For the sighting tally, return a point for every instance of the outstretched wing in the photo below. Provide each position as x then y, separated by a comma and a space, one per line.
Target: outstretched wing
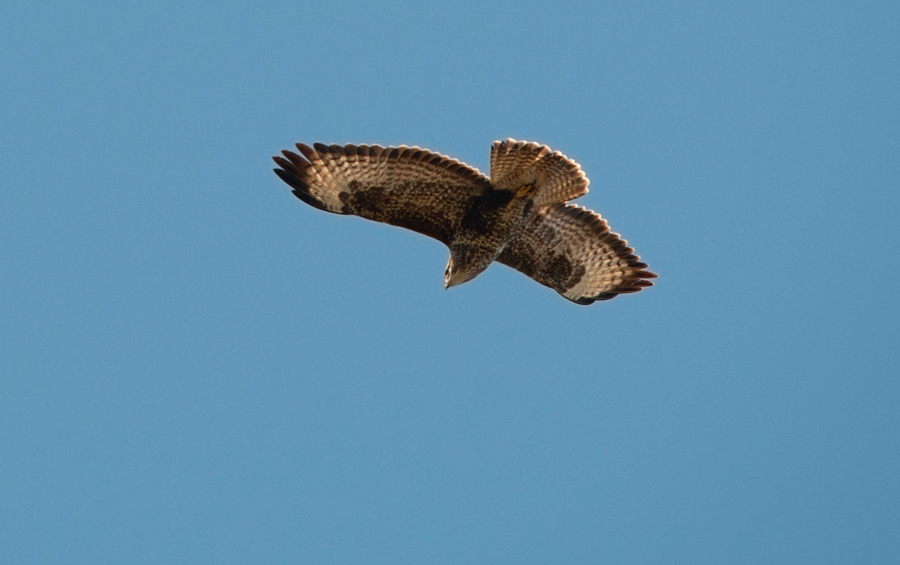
571, 250
556, 178
405, 186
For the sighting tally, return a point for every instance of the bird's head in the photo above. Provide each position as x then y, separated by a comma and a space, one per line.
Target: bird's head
464, 265
454, 275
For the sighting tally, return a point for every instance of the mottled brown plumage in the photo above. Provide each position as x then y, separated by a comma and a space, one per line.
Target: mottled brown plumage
518, 217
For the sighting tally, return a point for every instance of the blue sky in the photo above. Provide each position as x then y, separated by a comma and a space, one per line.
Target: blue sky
197, 367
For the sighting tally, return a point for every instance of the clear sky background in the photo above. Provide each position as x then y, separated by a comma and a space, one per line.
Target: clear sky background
196, 367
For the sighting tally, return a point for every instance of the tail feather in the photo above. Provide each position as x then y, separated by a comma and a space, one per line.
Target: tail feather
556, 177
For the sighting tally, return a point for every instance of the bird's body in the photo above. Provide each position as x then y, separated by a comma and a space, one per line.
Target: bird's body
518, 217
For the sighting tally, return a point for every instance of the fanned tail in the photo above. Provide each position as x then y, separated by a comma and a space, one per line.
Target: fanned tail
555, 177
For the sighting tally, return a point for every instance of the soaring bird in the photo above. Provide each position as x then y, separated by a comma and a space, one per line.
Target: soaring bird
520, 216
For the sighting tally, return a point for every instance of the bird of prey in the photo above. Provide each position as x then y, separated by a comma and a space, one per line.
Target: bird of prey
520, 216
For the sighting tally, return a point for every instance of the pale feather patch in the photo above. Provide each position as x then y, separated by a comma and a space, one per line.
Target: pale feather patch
331, 170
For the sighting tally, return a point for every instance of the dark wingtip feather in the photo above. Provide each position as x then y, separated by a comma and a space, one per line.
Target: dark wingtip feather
309, 199
293, 173
307, 151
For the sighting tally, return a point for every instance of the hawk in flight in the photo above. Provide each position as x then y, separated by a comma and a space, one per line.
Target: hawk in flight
520, 216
